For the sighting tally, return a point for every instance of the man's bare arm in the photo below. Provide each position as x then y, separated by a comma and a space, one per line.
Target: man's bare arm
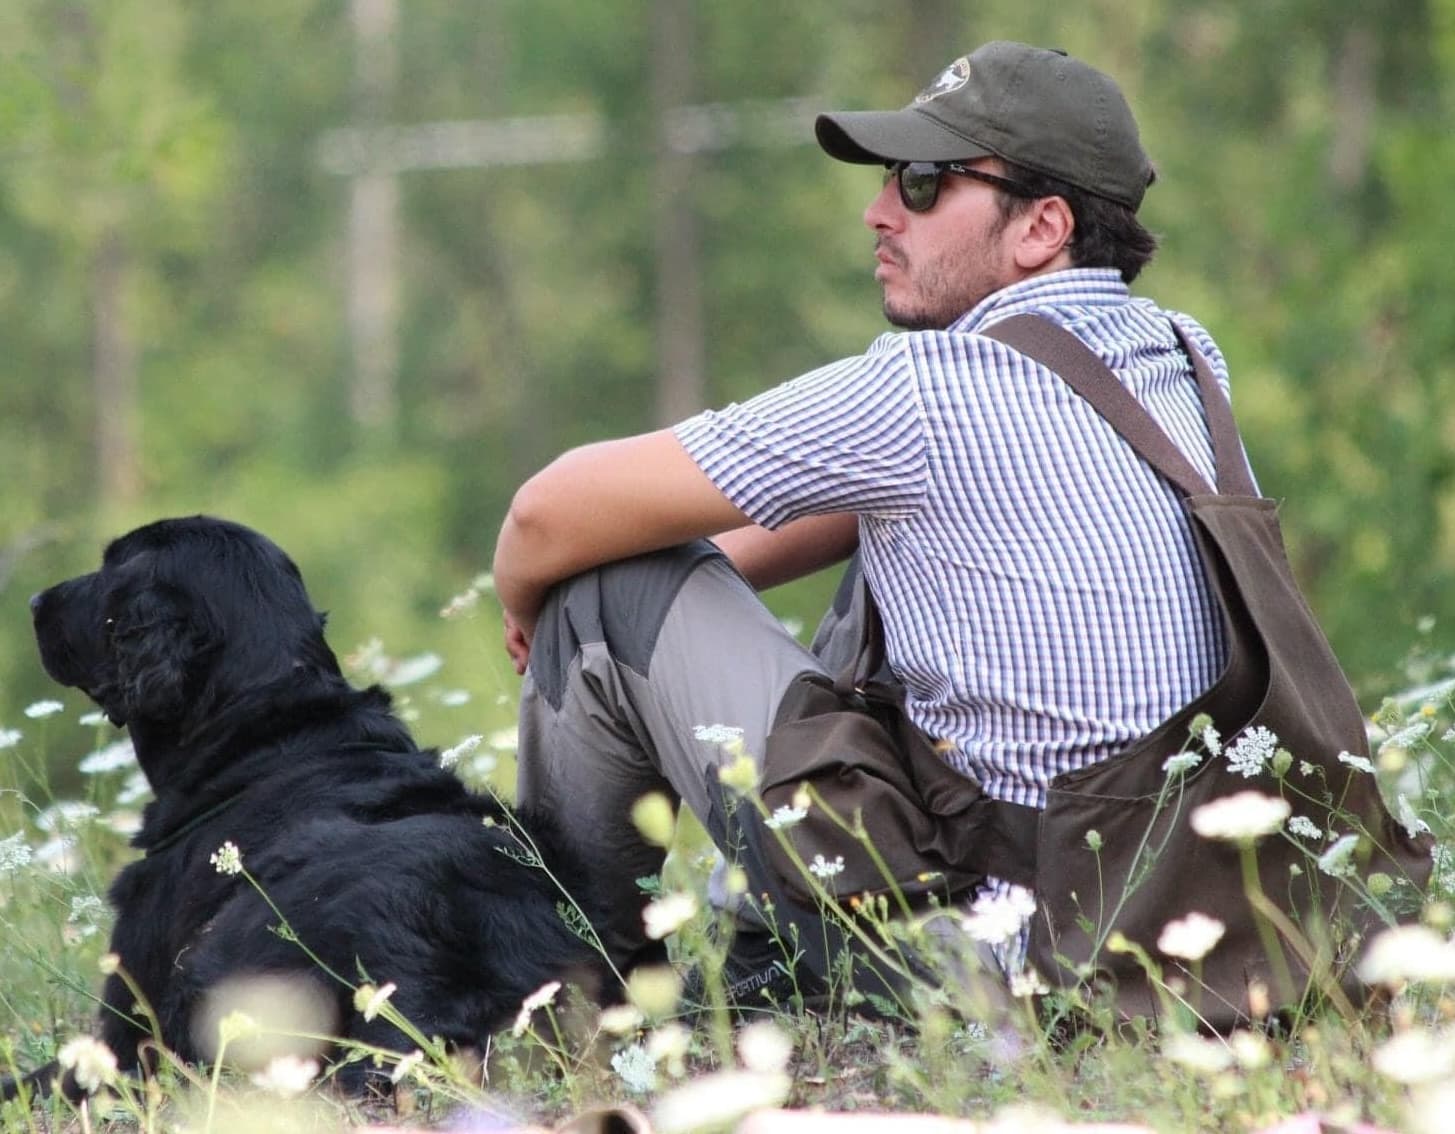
768, 558
596, 504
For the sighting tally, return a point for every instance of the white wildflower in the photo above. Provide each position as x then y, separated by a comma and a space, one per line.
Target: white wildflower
1305, 828
621, 1019
463, 603
785, 817
1197, 1054
504, 739
1306, 768
537, 999
668, 1045
1408, 817
15, 853
1415, 1056
1250, 1049
1192, 937
59, 855
717, 733
286, 1075
1337, 860
1181, 762
86, 909
91, 1062
370, 1001
67, 813
112, 758
1358, 763
405, 1067
1251, 751
1430, 1107
237, 1025
1408, 953
9, 737
764, 1046
411, 671
453, 698
123, 822
1241, 817
1212, 741
451, 756
995, 918
135, 789
1406, 737
227, 859
822, 869
1442, 859
94, 719
719, 1100
668, 914
483, 766
1026, 983
41, 709
636, 1068
370, 660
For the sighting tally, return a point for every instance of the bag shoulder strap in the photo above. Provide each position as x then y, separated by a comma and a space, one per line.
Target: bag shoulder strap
1059, 350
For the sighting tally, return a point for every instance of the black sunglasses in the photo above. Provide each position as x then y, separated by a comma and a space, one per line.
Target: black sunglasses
919, 181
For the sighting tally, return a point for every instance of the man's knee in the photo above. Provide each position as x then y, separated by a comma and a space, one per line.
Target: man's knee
621, 605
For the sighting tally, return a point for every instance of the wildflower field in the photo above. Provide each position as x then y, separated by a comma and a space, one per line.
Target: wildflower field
71, 794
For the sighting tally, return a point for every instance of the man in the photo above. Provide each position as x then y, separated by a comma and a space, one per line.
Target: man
1042, 601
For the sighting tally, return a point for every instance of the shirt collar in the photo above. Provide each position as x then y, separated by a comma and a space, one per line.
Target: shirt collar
1072, 287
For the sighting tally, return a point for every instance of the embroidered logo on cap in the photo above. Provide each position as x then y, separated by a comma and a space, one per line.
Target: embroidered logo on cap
951, 79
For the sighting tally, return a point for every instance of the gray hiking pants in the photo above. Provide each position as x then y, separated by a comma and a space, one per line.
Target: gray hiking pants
631, 666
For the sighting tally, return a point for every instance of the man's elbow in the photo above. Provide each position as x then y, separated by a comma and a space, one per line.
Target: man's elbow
525, 536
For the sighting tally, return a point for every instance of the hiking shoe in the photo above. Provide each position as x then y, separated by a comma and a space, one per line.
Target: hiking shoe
757, 976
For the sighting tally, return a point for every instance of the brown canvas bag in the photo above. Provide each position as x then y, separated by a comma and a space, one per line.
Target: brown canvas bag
1280, 675
1149, 867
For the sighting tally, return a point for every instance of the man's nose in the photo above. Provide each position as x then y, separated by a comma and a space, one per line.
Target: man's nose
883, 211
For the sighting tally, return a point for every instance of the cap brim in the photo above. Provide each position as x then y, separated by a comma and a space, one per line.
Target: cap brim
873, 137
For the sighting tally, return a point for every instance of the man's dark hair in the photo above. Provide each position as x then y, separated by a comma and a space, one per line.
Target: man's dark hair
1108, 235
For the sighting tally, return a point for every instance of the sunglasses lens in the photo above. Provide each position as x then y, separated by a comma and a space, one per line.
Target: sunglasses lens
919, 185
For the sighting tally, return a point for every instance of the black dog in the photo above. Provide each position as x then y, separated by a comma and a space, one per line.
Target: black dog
197, 634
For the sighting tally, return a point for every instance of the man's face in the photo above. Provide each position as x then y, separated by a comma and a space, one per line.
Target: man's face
936, 265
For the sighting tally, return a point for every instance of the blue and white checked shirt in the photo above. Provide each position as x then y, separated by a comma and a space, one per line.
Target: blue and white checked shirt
1042, 599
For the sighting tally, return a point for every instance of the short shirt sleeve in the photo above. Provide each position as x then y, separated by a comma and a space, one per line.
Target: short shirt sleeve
849, 437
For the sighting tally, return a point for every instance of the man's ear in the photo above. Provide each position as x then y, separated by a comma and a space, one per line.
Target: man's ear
159, 645
1046, 230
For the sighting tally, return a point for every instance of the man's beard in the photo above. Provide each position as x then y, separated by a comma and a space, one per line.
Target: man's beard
932, 317
914, 320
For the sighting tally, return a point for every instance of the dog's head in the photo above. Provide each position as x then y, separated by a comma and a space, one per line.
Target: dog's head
184, 616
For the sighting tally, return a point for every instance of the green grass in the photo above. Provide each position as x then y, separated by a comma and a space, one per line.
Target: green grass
935, 1051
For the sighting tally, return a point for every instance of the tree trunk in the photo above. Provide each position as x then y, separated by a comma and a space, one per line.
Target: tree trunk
680, 349
114, 363
1354, 105
373, 260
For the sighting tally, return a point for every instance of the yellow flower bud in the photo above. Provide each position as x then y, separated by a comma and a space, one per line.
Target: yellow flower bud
655, 818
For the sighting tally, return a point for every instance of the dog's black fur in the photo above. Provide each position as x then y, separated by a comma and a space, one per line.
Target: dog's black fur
197, 634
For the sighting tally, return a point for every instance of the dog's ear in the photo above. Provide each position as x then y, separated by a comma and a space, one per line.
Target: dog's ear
160, 639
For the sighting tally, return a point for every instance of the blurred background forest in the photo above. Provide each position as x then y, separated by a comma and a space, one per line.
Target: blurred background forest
348, 270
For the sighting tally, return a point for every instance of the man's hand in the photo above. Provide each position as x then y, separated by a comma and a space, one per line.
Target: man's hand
517, 644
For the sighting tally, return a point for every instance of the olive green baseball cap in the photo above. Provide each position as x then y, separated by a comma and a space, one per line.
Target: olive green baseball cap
1038, 108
